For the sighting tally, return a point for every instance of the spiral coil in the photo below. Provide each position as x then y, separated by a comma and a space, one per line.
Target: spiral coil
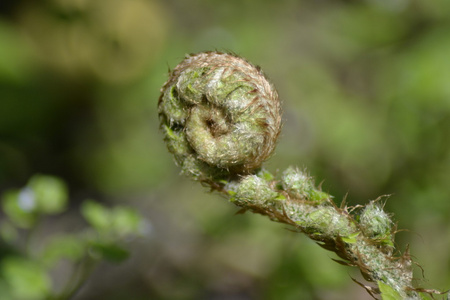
220, 115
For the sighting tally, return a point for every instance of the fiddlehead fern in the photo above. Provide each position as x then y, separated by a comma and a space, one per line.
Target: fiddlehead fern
220, 115
221, 118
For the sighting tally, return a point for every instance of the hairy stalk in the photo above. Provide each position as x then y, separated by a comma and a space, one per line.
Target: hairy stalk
221, 118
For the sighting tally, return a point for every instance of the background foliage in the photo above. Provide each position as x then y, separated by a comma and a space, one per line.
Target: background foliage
366, 95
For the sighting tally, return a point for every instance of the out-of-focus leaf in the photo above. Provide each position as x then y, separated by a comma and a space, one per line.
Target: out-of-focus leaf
117, 221
18, 210
50, 193
126, 220
26, 279
97, 215
110, 251
67, 246
8, 232
15, 58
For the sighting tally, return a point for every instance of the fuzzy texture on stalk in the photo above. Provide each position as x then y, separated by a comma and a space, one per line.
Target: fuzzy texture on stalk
221, 117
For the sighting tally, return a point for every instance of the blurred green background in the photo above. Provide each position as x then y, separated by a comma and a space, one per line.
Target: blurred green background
365, 86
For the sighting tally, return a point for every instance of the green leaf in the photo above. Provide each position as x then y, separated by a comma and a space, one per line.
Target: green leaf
110, 251
118, 221
125, 221
424, 296
388, 293
266, 175
169, 132
19, 207
231, 193
97, 215
387, 241
8, 232
351, 239
316, 195
27, 280
50, 193
15, 56
67, 246
280, 197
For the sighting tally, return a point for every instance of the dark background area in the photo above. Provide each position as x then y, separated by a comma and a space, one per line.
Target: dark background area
365, 87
